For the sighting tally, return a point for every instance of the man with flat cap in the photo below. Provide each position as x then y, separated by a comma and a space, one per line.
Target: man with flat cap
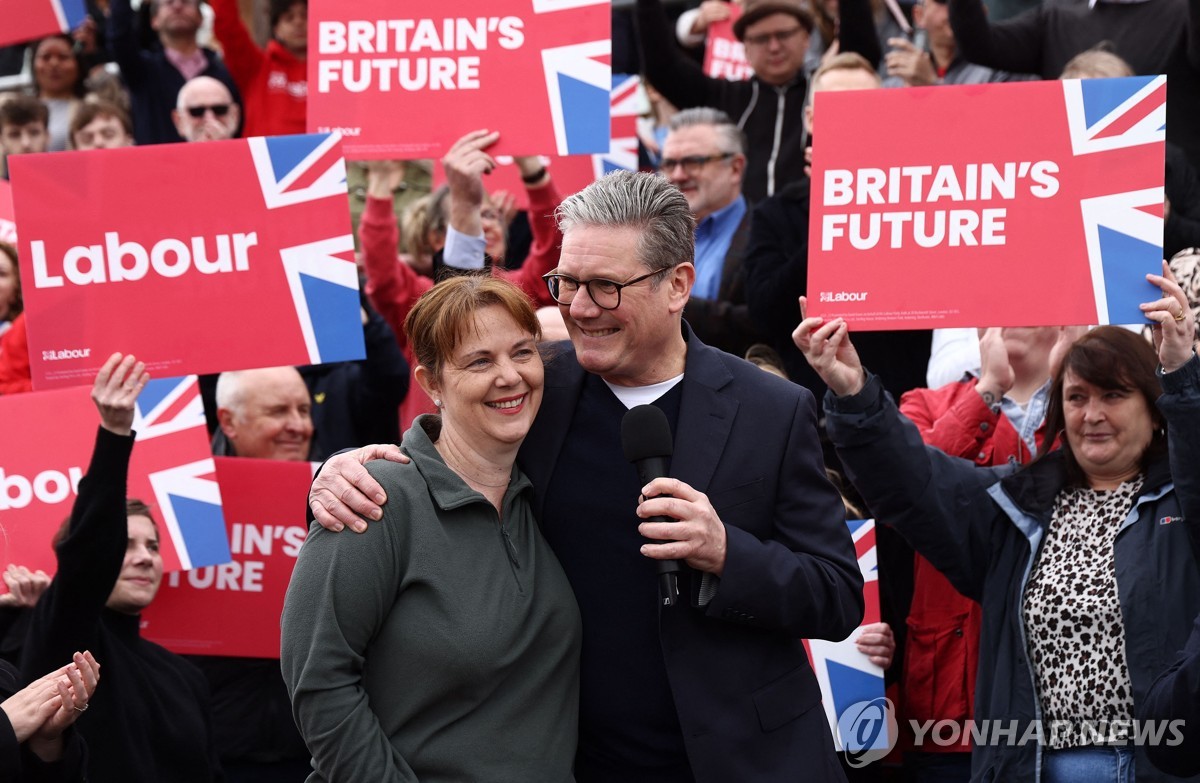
769, 107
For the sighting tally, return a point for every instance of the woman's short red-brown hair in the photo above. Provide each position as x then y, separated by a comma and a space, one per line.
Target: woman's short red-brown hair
441, 317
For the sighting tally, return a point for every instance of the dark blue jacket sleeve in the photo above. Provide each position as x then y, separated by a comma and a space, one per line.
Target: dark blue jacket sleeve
939, 503
1175, 696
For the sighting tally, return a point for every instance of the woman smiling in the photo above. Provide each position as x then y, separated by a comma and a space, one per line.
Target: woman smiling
1085, 561
443, 644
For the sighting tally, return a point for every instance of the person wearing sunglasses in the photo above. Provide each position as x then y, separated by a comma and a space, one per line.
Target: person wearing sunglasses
206, 111
154, 76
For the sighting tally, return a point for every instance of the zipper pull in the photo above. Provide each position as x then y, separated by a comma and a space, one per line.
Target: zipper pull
510, 548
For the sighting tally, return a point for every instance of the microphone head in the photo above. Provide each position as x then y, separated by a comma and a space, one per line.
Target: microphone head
645, 433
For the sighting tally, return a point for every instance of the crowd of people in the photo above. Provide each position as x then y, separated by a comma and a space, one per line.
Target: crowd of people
496, 610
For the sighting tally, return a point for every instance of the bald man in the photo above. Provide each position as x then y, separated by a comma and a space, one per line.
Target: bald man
266, 414
206, 111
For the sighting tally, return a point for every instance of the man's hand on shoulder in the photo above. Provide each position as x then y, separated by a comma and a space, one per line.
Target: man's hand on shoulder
344, 492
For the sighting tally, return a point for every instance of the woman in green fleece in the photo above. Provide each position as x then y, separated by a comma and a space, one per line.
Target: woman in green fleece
443, 644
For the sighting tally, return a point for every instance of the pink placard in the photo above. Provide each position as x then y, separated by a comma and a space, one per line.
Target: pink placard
197, 258
724, 54
233, 609
403, 80
1022, 204
47, 446
25, 20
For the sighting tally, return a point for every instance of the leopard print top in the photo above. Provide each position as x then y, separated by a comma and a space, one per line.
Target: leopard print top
1073, 617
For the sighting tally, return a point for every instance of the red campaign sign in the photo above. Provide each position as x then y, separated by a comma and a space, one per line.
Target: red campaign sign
573, 173
249, 265
538, 71
918, 223
25, 20
8, 224
724, 54
233, 609
47, 446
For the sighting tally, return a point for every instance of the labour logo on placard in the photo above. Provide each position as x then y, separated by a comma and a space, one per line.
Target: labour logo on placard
168, 420
1123, 228
845, 675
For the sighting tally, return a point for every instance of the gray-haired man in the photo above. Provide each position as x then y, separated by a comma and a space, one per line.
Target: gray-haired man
718, 687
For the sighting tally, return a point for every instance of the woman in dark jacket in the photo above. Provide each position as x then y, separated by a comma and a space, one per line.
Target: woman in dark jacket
1084, 561
151, 722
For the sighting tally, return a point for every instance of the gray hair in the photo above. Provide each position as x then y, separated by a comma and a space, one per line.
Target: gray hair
646, 202
730, 138
231, 390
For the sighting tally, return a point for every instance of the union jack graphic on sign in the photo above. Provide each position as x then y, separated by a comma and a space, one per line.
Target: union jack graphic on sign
625, 105
322, 276
1124, 230
25, 20
169, 412
1023, 176
845, 675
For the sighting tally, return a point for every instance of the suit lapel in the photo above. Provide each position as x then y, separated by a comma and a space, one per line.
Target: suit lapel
706, 414
539, 453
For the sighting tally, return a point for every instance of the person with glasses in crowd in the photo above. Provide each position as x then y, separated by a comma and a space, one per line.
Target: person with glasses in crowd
769, 108
206, 111
704, 156
717, 686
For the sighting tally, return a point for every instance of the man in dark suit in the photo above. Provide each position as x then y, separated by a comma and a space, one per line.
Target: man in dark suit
716, 688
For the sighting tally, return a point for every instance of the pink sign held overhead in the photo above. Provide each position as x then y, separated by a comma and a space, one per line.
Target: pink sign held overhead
197, 258
1022, 204
538, 71
724, 54
46, 449
233, 608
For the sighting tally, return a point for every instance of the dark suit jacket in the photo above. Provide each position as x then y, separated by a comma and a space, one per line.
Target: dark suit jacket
748, 701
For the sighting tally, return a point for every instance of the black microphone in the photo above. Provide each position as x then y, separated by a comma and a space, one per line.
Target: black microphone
646, 440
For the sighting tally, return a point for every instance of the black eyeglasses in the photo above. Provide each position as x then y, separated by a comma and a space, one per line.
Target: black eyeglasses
218, 110
692, 163
605, 293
